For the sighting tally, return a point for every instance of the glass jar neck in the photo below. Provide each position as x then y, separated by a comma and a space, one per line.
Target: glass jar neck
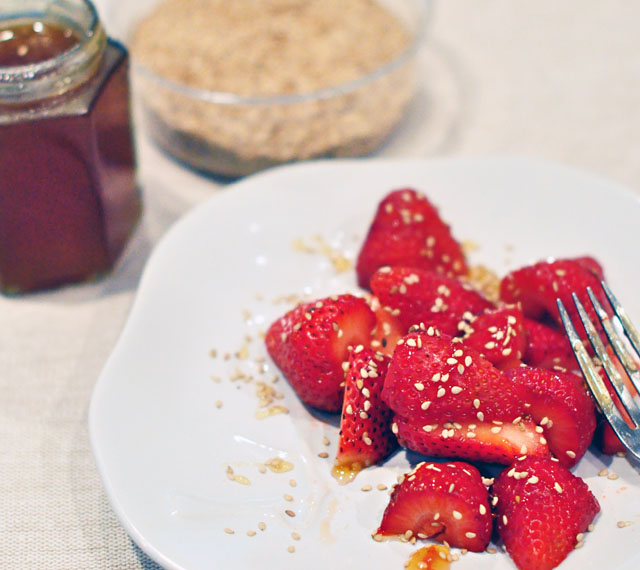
64, 71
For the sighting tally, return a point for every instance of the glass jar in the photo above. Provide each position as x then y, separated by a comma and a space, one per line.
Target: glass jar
68, 196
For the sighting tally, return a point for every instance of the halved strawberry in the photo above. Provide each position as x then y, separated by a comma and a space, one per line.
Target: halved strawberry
497, 334
607, 440
542, 509
559, 403
547, 347
433, 379
444, 501
407, 230
450, 401
491, 442
536, 287
417, 296
310, 343
365, 425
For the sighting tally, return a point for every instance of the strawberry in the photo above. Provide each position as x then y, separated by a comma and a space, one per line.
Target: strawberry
407, 230
497, 334
537, 286
444, 501
547, 347
542, 509
450, 401
607, 440
417, 296
559, 403
365, 426
310, 343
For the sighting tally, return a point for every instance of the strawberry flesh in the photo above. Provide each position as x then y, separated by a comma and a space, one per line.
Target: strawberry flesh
310, 343
407, 230
541, 509
547, 347
443, 501
365, 437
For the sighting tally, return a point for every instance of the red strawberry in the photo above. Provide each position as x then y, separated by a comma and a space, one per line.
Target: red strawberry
559, 403
365, 425
417, 296
547, 347
433, 380
407, 230
497, 334
444, 501
450, 401
541, 509
310, 343
536, 287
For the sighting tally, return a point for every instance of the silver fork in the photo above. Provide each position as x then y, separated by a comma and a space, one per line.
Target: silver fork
629, 436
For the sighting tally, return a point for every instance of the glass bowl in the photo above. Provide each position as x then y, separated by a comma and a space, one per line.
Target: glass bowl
232, 134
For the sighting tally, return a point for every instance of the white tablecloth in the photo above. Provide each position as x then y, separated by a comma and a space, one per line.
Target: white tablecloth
547, 79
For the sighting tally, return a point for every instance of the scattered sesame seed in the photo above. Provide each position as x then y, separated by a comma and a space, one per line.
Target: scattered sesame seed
571, 454
382, 487
613, 476
323, 454
603, 473
456, 389
470, 534
557, 487
623, 524
251, 533
457, 515
291, 549
262, 525
482, 509
290, 513
366, 488
288, 497
229, 531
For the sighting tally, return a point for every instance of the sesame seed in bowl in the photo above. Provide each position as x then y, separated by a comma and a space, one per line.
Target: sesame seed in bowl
230, 88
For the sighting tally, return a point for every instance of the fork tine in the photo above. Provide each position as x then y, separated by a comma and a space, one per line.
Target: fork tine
597, 386
616, 342
605, 359
629, 330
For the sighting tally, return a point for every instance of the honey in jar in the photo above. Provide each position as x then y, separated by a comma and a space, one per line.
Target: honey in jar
68, 195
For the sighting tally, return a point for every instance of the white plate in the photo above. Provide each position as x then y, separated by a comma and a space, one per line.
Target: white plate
163, 446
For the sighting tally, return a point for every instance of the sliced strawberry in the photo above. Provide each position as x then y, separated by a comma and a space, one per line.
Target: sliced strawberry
444, 501
559, 403
497, 334
365, 425
407, 230
537, 286
310, 343
541, 509
417, 296
500, 442
547, 347
450, 401
433, 379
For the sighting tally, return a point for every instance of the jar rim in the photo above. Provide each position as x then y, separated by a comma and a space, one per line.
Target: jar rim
64, 71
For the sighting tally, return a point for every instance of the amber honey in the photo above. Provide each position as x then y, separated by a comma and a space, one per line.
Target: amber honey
68, 195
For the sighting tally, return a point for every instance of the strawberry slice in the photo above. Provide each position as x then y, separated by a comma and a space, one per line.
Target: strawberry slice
559, 403
417, 296
537, 286
450, 401
491, 442
407, 230
365, 426
310, 343
497, 334
443, 501
542, 509
433, 379
547, 347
